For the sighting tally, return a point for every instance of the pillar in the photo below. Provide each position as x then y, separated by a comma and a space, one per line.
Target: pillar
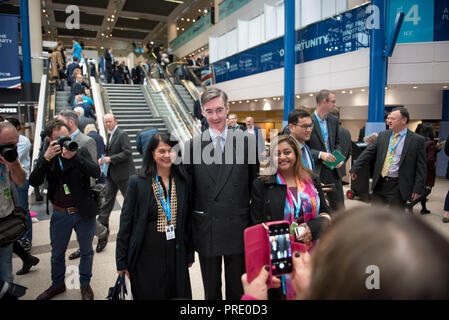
34, 12
289, 59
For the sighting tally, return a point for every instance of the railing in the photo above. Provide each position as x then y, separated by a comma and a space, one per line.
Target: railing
181, 71
96, 89
179, 119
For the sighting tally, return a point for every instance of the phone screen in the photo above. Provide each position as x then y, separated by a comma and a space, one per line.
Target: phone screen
280, 249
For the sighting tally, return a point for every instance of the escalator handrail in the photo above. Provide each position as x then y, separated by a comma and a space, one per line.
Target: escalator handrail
176, 108
178, 64
40, 120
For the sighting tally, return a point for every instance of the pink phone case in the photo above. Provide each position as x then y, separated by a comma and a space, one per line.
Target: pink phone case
257, 249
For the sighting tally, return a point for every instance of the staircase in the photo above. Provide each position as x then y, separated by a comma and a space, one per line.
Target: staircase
61, 99
130, 108
185, 95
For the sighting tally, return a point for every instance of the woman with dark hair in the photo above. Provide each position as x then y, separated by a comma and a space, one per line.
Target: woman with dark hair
290, 193
154, 247
428, 132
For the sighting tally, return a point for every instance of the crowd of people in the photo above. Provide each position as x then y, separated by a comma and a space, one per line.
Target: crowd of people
204, 203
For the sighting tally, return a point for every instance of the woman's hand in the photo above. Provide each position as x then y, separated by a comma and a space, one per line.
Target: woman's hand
259, 286
120, 272
301, 275
307, 235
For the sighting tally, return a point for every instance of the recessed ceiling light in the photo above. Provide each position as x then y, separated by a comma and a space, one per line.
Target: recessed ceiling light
363, 90
415, 87
247, 101
445, 87
386, 88
311, 94
343, 91
298, 97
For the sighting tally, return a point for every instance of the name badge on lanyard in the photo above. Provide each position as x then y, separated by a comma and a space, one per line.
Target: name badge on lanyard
170, 229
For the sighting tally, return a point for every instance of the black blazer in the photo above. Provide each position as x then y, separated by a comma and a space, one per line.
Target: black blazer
412, 166
119, 149
316, 142
268, 203
133, 223
76, 174
221, 193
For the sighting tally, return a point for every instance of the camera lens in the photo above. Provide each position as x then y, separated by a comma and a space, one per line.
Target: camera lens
71, 145
10, 154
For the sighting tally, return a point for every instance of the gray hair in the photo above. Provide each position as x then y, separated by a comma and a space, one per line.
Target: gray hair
70, 115
212, 93
79, 110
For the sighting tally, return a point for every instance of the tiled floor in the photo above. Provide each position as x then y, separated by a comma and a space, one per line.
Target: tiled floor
104, 269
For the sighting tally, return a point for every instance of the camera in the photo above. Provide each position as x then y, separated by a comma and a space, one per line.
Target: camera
9, 152
67, 143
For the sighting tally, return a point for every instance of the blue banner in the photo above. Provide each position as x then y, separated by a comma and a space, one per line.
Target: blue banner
441, 21
9, 52
343, 33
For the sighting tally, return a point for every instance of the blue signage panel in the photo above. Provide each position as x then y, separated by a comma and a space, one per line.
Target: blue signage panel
9, 52
441, 21
418, 20
343, 33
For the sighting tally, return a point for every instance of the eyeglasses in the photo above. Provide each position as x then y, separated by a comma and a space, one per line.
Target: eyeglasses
305, 126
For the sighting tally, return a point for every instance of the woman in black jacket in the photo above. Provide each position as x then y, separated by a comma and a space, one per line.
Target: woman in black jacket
291, 193
154, 246
270, 197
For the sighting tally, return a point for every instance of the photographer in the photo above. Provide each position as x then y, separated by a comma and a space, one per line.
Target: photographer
10, 171
67, 170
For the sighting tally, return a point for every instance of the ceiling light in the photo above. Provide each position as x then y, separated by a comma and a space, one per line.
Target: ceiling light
343, 91
112, 16
43, 10
363, 90
247, 101
310, 94
445, 87
177, 28
298, 97
240, 101
415, 87
188, 20
255, 100
386, 88
182, 29
109, 19
205, 10
193, 20
182, 19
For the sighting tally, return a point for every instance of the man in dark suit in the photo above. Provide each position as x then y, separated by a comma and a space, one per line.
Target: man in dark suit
68, 175
223, 165
323, 141
400, 167
300, 127
109, 61
121, 166
70, 69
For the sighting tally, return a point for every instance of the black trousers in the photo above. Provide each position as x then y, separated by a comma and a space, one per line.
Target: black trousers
112, 188
387, 192
336, 197
211, 275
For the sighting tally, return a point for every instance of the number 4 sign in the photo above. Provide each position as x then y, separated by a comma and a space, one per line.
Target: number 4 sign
418, 20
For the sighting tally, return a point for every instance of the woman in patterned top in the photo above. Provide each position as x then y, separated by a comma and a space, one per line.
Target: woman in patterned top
290, 193
154, 246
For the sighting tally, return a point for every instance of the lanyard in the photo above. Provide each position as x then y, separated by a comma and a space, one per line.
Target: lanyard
296, 202
73, 138
166, 206
392, 148
2, 177
323, 132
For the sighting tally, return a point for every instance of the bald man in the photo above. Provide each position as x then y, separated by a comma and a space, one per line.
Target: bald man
121, 166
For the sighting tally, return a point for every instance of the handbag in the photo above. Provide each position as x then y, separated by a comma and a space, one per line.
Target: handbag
121, 290
14, 225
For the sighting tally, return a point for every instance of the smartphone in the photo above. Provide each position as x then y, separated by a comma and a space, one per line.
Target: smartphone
280, 248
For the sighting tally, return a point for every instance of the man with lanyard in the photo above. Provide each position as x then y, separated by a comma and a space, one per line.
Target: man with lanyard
233, 122
301, 126
68, 175
324, 139
10, 172
400, 168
